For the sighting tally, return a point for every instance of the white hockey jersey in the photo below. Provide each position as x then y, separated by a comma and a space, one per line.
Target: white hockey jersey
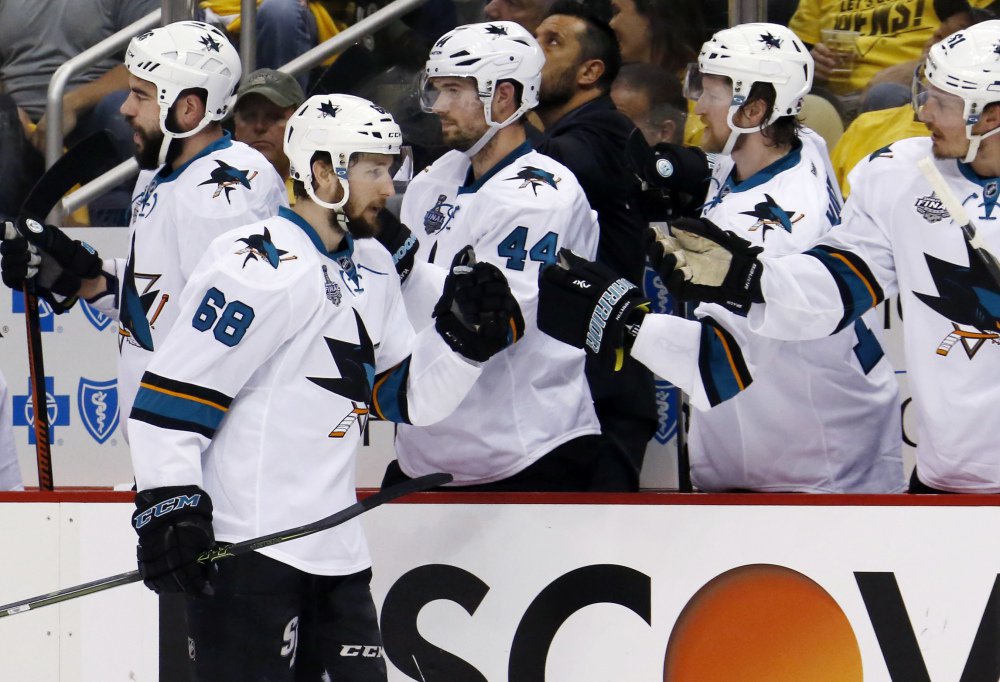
261, 391
897, 237
807, 416
175, 217
532, 396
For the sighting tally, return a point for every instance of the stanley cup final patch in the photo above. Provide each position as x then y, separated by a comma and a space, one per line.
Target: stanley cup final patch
930, 208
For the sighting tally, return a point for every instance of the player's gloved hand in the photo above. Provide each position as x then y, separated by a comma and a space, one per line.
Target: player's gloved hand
174, 526
700, 261
588, 305
477, 315
72, 255
399, 241
21, 260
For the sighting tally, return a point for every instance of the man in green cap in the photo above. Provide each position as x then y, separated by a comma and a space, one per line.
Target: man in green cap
263, 104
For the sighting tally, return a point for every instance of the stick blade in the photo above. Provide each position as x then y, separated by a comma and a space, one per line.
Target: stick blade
93, 156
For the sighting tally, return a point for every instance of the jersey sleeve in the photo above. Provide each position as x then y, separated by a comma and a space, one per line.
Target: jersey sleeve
230, 323
706, 360
823, 290
212, 210
419, 380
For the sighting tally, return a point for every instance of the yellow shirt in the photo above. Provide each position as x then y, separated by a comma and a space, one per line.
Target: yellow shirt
870, 132
892, 31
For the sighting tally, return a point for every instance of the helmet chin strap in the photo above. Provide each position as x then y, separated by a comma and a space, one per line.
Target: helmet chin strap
337, 207
735, 131
169, 136
975, 140
492, 129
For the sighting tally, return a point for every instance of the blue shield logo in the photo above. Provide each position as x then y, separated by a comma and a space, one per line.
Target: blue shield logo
98, 404
95, 316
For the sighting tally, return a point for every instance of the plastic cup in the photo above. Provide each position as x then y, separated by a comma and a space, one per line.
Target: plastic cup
844, 45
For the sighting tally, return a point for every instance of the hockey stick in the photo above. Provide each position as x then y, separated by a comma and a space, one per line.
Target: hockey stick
92, 156
958, 214
415, 485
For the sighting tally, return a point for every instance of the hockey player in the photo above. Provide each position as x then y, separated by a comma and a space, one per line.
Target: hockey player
529, 424
819, 416
897, 237
195, 184
252, 409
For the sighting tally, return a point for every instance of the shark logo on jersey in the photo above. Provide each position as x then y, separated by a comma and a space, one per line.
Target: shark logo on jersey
332, 288
135, 324
930, 208
98, 404
259, 247
438, 217
144, 204
968, 297
770, 41
226, 178
769, 215
535, 178
356, 363
883, 153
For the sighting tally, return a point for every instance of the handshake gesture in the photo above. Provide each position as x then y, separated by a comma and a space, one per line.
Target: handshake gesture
699, 261
587, 305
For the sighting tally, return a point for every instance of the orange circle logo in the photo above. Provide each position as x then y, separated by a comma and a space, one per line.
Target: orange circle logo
762, 623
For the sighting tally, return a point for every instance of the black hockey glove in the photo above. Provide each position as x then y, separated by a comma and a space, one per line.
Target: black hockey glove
477, 315
700, 261
587, 305
72, 255
174, 526
399, 241
21, 261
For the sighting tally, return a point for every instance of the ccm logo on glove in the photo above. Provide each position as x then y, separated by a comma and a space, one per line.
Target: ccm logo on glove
165, 507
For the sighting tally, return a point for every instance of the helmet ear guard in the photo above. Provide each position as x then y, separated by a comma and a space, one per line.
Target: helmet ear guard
965, 64
182, 56
340, 125
757, 53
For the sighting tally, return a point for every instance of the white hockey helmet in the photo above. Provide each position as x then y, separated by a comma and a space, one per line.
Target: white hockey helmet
341, 125
488, 53
183, 55
967, 64
758, 53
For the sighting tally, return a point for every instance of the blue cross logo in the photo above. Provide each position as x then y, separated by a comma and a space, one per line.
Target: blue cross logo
58, 409
46, 317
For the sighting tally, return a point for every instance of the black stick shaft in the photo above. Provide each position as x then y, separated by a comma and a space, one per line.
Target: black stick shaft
39, 394
391, 493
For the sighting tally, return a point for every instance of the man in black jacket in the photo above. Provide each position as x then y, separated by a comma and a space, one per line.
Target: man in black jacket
585, 132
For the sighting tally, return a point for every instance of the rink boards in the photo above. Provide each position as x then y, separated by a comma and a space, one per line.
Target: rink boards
582, 588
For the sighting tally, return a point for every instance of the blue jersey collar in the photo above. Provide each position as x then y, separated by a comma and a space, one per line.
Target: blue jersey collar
163, 175
346, 249
789, 160
472, 185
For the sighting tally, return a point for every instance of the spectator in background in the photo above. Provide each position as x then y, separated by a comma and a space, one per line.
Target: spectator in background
264, 103
879, 128
665, 33
285, 28
654, 99
527, 13
36, 38
889, 35
10, 470
585, 132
